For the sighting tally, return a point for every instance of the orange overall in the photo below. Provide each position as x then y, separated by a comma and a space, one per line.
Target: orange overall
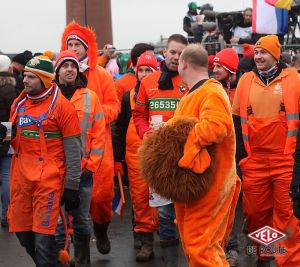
267, 171
38, 167
205, 224
145, 217
101, 82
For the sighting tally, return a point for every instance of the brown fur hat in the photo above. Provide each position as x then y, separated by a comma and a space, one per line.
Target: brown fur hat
159, 155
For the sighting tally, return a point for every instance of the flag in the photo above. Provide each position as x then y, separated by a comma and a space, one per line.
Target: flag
267, 19
117, 204
119, 198
285, 4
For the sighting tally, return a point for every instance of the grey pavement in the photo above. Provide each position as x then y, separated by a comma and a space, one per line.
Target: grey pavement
122, 252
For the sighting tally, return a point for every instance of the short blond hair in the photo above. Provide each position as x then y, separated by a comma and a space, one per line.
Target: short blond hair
196, 55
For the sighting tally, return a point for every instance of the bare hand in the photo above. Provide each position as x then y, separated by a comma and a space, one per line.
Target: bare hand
234, 40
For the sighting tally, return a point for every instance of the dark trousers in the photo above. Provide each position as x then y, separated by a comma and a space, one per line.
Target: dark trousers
40, 247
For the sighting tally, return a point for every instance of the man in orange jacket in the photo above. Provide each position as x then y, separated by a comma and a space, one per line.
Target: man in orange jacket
82, 41
126, 143
47, 160
128, 80
266, 113
225, 70
204, 225
157, 99
73, 86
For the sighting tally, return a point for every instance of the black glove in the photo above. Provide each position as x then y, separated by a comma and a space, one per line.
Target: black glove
295, 194
71, 199
3, 131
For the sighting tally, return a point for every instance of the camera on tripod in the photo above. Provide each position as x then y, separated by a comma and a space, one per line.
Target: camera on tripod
294, 25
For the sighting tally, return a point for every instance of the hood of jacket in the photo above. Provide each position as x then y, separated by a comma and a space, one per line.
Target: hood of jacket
90, 35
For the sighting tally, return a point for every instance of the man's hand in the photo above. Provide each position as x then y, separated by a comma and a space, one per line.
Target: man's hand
118, 168
295, 194
71, 199
234, 40
109, 50
200, 19
156, 125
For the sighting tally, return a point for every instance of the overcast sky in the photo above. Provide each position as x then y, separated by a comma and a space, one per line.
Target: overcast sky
37, 25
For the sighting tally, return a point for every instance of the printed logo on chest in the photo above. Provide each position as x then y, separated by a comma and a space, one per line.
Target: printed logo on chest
277, 89
25, 121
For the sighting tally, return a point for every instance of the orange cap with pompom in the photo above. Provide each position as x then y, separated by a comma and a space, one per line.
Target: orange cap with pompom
42, 66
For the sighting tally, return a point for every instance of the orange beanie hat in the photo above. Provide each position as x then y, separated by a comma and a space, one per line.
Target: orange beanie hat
271, 44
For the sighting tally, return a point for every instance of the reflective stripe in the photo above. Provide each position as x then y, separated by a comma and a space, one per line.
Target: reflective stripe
141, 104
97, 151
292, 133
292, 116
94, 151
85, 123
98, 116
35, 134
243, 120
245, 137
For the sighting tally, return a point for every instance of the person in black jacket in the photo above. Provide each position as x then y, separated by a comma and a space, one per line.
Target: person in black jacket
18, 64
190, 19
7, 96
125, 145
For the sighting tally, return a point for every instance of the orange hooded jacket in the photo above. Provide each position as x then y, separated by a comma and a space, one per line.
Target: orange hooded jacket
101, 82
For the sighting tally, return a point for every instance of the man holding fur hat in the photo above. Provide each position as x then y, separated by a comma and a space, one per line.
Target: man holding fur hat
266, 116
82, 41
205, 223
46, 166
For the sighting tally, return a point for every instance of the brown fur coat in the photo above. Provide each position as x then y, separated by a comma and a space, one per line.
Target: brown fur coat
159, 155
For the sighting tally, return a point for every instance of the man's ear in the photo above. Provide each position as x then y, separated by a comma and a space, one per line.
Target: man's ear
164, 52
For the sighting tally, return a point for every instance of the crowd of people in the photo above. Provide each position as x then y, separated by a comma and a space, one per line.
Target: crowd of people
80, 119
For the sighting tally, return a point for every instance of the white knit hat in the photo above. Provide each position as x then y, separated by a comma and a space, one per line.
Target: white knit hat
4, 63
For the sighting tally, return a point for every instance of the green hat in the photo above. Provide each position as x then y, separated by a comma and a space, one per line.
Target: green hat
42, 67
123, 62
192, 5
